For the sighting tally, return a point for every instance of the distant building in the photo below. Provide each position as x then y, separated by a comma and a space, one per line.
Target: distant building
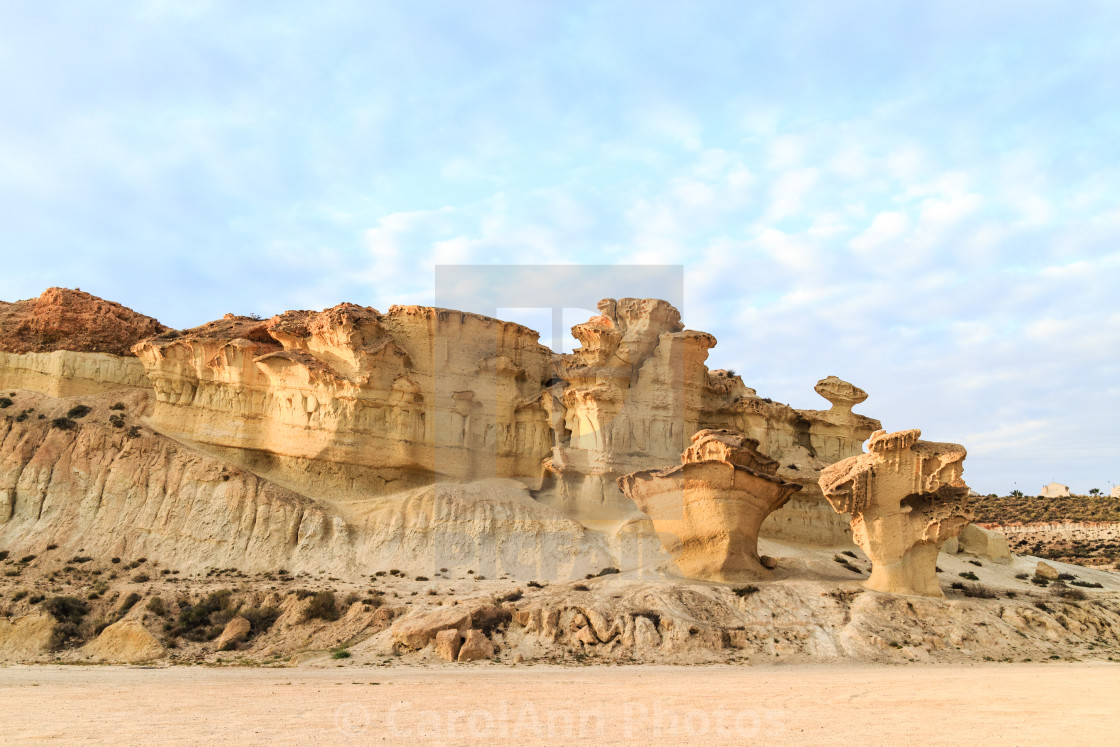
1055, 490
1115, 492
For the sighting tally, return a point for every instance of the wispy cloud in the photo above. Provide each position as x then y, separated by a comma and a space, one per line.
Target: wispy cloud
920, 198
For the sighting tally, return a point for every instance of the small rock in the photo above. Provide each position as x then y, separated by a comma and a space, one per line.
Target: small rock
476, 646
518, 658
448, 643
1046, 571
768, 562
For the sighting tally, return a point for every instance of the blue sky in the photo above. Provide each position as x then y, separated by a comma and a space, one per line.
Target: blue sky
922, 198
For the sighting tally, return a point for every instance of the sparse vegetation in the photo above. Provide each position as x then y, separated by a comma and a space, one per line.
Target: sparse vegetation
581, 587
68, 613
321, 607
745, 591
64, 424
969, 575
5, 403
117, 406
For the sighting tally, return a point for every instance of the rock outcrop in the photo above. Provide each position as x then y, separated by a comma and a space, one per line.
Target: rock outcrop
707, 510
126, 641
64, 319
906, 498
987, 543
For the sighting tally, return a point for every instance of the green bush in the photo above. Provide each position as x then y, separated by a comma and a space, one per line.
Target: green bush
78, 411
64, 424
322, 607
68, 613
260, 619
128, 603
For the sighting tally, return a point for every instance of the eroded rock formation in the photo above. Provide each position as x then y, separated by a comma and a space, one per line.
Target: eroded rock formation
906, 498
388, 401
707, 510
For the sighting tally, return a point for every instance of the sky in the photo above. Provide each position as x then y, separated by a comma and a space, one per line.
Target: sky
920, 198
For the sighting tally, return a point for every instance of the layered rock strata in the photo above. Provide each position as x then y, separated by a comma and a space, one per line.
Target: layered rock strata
391, 401
906, 498
707, 511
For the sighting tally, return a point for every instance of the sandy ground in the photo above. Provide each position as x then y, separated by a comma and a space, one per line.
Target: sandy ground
985, 704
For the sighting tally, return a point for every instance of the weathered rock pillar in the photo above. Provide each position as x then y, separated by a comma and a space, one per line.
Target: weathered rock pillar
707, 510
906, 498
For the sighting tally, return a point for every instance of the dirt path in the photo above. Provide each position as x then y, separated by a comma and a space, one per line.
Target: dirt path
983, 704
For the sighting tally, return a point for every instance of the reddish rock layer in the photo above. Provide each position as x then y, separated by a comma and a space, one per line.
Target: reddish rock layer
64, 319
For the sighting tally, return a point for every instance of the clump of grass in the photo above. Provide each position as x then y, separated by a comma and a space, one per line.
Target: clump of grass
849, 553
969, 575
117, 421
117, 406
1022, 576
81, 559
1086, 584
581, 587
64, 424
156, 606
5, 403
1039, 581
1066, 592
745, 591
608, 572
976, 563
141, 578
535, 585
342, 652
421, 578
978, 591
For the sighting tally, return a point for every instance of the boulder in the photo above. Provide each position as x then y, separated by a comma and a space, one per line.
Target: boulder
236, 630
416, 631
125, 642
1046, 571
986, 543
448, 643
476, 646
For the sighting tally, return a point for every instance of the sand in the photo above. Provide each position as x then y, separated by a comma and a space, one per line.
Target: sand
1075, 703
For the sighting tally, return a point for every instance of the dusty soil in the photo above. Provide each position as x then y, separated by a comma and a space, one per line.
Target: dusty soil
983, 704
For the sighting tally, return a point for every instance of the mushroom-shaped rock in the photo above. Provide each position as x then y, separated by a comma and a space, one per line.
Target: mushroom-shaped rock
906, 498
707, 510
841, 394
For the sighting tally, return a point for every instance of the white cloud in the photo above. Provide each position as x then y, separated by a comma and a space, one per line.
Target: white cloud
886, 229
